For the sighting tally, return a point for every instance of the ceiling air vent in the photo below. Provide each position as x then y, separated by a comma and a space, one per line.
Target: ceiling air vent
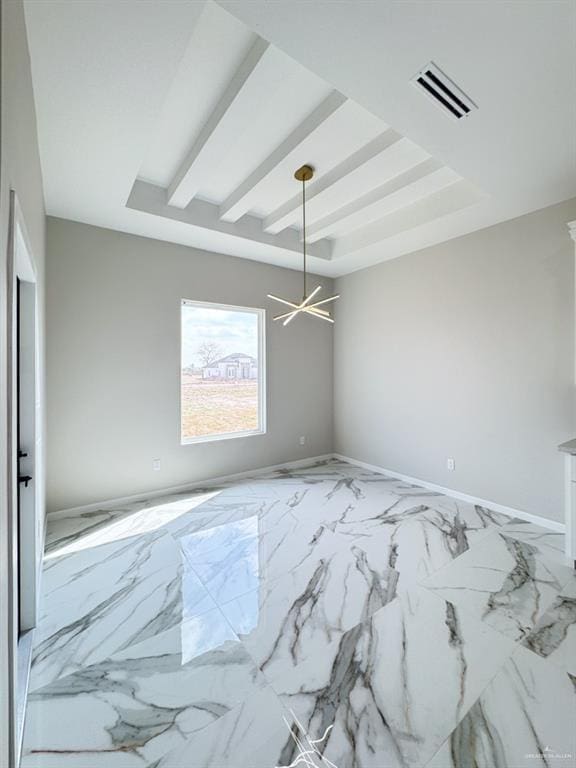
443, 91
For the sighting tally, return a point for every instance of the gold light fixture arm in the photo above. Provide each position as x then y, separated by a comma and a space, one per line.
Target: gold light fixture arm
292, 304
303, 304
312, 308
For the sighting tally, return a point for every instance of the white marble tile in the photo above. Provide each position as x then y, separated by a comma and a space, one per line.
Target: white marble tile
253, 735
220, 538
548, 543
412, 544
192, 637
229, 506
554, 636
403, 538
209, 517
226, 557
460, 522
179, 631
176, 513
151, 551
524, 719
100, 600
402, 528
502, 581
341, 483
241, 556
474, 518
331, 502
321, 470
145, 701
291, 619
395, 687
67, 533
64, 530
195, 599
315, 585
294, 544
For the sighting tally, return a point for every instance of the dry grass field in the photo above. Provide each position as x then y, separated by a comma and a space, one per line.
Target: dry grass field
210, 407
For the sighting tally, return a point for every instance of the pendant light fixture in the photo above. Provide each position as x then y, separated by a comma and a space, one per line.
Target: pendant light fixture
307, 306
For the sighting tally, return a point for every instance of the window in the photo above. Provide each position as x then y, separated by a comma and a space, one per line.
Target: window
222, 372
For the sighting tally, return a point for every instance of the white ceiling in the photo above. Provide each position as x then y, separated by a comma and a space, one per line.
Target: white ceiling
184, 121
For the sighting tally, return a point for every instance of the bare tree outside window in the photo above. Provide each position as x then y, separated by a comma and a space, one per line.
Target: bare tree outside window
209, 352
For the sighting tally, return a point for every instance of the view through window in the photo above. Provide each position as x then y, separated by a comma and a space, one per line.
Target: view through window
222, 391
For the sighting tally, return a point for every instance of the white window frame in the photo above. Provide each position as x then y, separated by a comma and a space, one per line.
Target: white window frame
261, 315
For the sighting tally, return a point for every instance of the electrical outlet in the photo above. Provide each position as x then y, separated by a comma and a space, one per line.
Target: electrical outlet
450, 465
156, 465
303, 440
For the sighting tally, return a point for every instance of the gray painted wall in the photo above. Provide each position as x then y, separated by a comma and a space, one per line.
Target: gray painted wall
19, 170
113, 326
465, 350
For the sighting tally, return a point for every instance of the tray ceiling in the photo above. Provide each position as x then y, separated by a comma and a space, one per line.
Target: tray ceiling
190, 129
225, 154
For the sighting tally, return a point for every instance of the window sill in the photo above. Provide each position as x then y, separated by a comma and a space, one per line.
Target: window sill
227, 436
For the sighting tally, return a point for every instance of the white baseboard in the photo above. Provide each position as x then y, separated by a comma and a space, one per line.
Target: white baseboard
544, 522
111, 503
551, 525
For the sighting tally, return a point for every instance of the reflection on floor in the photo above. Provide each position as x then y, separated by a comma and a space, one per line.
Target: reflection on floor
328, 610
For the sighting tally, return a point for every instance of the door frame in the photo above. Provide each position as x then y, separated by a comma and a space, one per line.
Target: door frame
27, 436
20, 266
570, 460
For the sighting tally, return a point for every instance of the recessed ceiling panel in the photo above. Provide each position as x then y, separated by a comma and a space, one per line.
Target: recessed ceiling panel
217, 46
388, 164
292, 94
348, 130
395, 194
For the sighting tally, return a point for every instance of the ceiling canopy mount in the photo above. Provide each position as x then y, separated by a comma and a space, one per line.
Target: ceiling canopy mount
304, 173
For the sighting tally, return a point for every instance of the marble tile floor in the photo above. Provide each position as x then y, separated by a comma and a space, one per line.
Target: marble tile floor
326, 616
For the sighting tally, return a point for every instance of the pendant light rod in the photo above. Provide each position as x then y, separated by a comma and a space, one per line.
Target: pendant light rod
304, 232
304, 174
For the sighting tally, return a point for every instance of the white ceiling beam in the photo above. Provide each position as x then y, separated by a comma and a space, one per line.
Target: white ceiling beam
218, 133
418, 181
151, 199
241, 200
456, 196
286, 214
